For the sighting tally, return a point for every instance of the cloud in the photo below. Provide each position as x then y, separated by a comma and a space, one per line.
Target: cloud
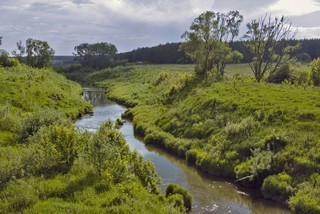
130, 24
294, 7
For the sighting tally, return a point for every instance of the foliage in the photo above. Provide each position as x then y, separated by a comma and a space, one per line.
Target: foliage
315, 71
174, 189
278, 187
48, 165
39, 53
283, 73
21, 50
98, 56
207, 41
265, 39
6, 61
169, 53
161, 54
264, 135
307, 199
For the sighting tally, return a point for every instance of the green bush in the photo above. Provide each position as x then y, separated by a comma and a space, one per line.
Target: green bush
174, 189
40, 118
278, 187
5, 61
315, 71
307, 199
281, 74
303, 76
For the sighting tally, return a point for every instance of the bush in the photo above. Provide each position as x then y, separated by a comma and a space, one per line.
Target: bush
280, 75
303, 77
307, 199
315, 71
5, 61
174, 189
38, 119
277, 187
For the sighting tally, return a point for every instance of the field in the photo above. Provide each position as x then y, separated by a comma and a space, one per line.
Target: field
261, 134
50, 166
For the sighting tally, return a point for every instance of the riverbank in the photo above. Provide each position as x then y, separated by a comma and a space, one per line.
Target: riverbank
48, 165
209, 194
262, 135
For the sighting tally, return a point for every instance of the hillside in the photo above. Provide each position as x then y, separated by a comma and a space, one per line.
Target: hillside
259, 134
50, 166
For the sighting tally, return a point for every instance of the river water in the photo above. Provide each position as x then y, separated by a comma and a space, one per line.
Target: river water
210, 194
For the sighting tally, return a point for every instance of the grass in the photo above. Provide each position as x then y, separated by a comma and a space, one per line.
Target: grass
48, 165
238, 128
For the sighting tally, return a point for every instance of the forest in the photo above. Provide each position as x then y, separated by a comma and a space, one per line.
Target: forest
169, 53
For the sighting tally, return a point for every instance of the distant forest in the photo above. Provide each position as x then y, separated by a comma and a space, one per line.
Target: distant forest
169, 53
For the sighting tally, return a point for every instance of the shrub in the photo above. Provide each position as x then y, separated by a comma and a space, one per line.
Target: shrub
244, 128
277, 187
38, 119
174, 189
315, 71
303, 77
281, 74
5, 61
307, 199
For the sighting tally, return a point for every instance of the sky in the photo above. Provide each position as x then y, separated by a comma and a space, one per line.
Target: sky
130, 24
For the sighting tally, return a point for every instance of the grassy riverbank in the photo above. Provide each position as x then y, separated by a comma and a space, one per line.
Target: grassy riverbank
260, 134
48, 165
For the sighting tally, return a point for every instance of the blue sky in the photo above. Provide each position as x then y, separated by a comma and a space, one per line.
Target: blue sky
130, 24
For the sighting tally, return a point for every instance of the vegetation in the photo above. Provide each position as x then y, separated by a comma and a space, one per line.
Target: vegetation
48, 165
208, 40
161, 54
39, 53
97, 56
260, 134
265, 39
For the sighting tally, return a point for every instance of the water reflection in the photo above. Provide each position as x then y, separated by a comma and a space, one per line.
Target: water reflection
210, 194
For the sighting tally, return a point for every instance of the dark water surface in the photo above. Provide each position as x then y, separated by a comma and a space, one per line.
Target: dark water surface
210, 194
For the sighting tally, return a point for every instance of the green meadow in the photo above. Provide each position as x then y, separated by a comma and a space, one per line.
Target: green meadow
262, 135
50, 166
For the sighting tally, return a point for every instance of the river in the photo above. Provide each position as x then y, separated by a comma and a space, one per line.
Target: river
210, 194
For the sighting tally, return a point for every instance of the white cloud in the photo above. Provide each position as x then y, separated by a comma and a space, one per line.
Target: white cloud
294, 7
308, 32
131, 23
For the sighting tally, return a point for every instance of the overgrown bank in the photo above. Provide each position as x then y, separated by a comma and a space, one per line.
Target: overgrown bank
48, 165
263, 135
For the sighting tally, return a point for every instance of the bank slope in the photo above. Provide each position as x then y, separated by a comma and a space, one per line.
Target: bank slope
262, 135
48, 165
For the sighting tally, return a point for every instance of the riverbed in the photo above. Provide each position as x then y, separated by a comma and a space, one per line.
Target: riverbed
210, 194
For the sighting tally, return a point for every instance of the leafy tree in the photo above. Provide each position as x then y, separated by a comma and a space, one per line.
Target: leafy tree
21, 50
208, 40
39, 53
266, 40
99, 55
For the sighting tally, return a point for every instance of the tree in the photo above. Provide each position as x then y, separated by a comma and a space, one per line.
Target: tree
39, 53
208, 41
1, 40
21, 50
266, 40
99, 55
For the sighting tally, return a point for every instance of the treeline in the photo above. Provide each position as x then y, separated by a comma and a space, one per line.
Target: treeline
169, 53
162, 54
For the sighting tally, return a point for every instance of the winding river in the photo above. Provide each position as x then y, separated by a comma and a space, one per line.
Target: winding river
210, 194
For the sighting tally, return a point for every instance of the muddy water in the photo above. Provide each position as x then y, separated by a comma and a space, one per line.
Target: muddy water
210, 194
